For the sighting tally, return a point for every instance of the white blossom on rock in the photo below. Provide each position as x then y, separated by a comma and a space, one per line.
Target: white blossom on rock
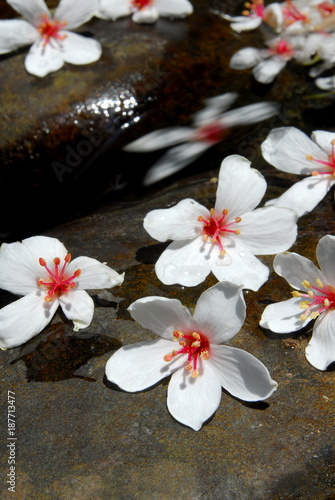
313, 299
290, 150
50, 36
144, 11
226, 238
41, 269
189, 350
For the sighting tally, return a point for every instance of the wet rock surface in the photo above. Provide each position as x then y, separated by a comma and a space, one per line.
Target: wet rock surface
79, 437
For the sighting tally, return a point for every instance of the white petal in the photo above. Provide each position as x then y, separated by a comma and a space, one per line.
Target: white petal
187, 263
15, 33
174, 160
77, 306
31, 10
160, 139
320, 351
147, 15
305, 195
161, 315
75, 14
220, 312
268, 230
253, 113
113, 9
179, 222
77, 49
325, 252
46, 247
325, 83
240, 267
286, 148
295, 269
246, 58
192, 401
23, 319
42, 60
245, 23
94, 274
19, 270
139, 366
241, 374
324, 140
240, 187
214, 106
174, 8
283, 317
267, 70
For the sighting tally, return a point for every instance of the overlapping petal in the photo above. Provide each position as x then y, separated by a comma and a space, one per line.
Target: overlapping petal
77, 306
147, 15
283, 317
42, 60
78, 49
267, 70
16, 33
296, 268
94, 274
325, 253
31, 10
75, 14
174, 8
113, 9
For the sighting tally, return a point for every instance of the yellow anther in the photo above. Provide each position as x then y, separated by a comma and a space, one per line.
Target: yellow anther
225, 212
304, 305
204, 355
303, 317
306, 284
332, 142
223, 252
177, 334
188, 367
200, 218
314, 315
310, 293
196, 343
194, 373
196, 335
212, 211
168, 357
326, 303
309, 157
319, 283
238, 219
295, 293
315, 173
237, 231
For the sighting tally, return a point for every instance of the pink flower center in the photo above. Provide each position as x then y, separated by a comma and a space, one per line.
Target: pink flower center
320, 299
329, 165
292, 14
326, 8
254, 8
195, 345
60, 282
282, 48
49, 28
217, 226
141, 4
213, 132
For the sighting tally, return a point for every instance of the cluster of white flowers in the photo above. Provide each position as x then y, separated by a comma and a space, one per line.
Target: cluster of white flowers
224, 239
303, 31
50, 34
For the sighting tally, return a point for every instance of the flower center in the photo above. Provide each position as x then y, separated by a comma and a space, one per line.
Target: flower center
325, 8
213, 132
217, 226
292, 14
60, 282
194, 345
282, 48
49, 28
254, 8
320, 298
141, 4
330, 163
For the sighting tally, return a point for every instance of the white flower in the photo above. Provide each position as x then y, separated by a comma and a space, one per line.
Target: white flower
325, 82
316, 301
52, 43
211, 126
226, 239
199, 366
40, 269
266, 63
256, 13
290, 150
144, 11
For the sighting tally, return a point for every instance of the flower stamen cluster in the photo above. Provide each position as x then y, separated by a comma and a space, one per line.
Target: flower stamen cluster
141, 4
215, 227
194, 345
330, 163
256, 7
49, 28
320, 298
60, 283
213, 132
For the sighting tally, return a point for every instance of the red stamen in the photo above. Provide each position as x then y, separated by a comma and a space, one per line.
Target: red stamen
216, 226
213, 132
319, 299
330, 163
195, 345
141, 4
59, 283
49, 28
293, 14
